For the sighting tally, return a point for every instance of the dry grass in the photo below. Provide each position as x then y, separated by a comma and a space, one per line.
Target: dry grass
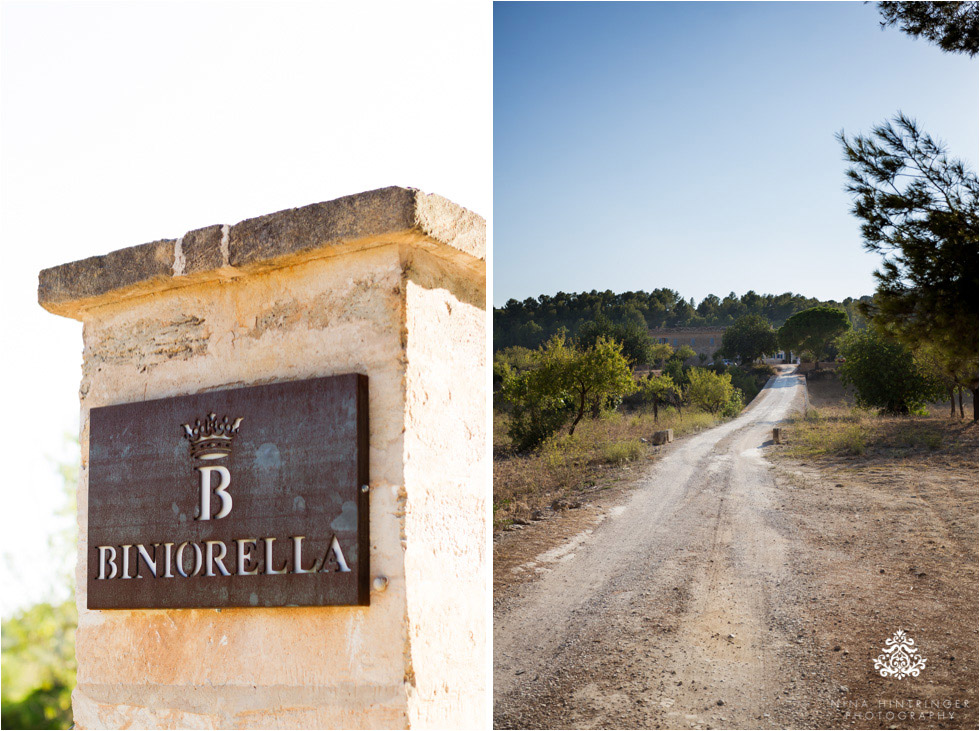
595, 457
843, 431
619, 453
835, 427
831, 430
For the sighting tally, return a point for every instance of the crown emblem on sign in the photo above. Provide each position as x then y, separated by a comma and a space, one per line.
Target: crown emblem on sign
211, 439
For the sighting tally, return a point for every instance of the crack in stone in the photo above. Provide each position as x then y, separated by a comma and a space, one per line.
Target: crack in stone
180, 261
225, 230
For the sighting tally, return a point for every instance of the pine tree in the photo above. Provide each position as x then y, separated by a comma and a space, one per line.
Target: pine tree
920, 211
952, 26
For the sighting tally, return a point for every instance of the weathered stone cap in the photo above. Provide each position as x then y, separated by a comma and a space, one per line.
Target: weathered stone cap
386, 215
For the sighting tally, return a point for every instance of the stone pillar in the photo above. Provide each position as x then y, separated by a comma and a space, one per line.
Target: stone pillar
390, 284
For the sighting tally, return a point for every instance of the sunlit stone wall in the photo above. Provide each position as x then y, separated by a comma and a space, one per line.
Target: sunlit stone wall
391, 284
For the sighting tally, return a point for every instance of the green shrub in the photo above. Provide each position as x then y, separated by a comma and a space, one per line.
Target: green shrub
622, 452
852, 440
735, 404
884, 373
535, 419
39, 666
708, 390
561, 450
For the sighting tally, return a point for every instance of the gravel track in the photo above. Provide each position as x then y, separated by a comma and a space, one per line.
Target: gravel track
668, 613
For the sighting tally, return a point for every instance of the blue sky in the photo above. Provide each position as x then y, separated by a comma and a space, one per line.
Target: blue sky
691, 145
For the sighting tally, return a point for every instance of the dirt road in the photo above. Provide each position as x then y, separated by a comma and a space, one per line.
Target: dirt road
673, 611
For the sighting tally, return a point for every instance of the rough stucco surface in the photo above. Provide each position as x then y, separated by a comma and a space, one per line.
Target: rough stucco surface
406, 659
445, 477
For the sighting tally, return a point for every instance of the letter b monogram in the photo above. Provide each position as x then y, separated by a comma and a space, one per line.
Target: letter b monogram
220, 491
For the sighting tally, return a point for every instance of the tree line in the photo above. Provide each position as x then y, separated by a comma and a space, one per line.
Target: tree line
533, 321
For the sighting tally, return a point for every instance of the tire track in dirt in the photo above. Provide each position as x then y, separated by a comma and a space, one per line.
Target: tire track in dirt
664, 615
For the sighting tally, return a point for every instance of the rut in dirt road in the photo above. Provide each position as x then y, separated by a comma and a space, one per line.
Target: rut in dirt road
665, 615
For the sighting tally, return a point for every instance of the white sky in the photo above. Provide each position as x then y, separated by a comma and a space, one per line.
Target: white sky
123, 123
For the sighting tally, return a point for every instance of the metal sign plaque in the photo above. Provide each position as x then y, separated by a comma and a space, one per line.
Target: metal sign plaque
246, 497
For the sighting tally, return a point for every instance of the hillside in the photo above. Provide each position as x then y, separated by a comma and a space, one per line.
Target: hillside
533, 321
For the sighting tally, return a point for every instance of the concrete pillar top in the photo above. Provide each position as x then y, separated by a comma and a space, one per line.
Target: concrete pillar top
276, 240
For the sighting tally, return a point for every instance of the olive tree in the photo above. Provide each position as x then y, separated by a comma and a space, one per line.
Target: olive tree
564, 383
709, 390
596, 374
659, 390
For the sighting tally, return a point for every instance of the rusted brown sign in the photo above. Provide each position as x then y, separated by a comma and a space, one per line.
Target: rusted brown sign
246, 497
